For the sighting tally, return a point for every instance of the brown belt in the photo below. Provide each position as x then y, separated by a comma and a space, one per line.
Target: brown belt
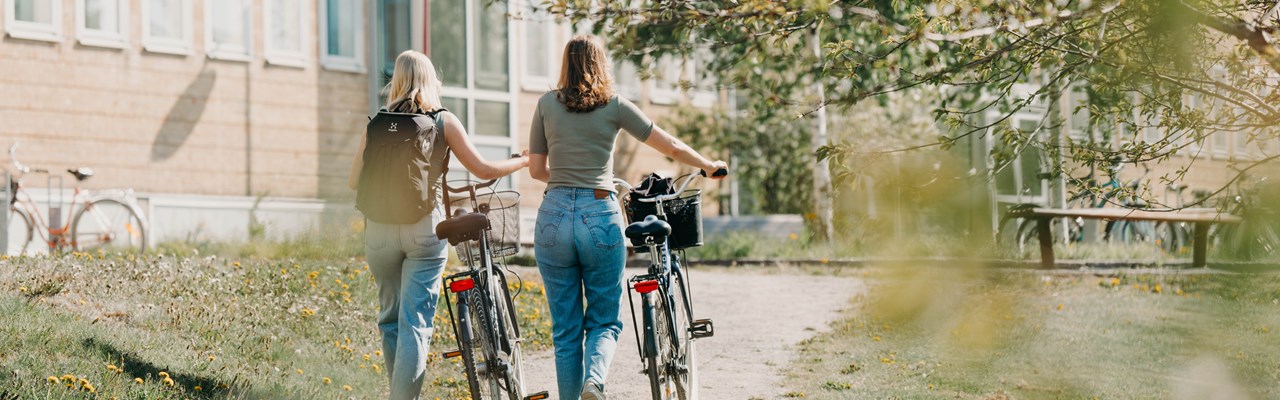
602, 194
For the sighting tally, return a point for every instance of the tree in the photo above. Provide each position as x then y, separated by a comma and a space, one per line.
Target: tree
1187, 69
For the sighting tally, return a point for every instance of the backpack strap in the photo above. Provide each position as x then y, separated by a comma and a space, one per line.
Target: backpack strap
442, 145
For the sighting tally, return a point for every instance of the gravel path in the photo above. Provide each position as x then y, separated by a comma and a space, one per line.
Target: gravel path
758, 317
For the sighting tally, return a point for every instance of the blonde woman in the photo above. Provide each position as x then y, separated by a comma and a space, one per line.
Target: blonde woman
578, 237
407, 259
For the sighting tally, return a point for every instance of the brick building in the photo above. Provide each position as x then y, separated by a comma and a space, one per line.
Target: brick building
211, 108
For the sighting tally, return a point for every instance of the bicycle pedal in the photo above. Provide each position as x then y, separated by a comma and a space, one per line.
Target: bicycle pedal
538, 396
452, 354
702, 328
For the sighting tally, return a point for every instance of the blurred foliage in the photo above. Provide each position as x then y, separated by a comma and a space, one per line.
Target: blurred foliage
1179, 70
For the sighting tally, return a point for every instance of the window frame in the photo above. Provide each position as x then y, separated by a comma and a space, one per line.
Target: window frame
229, 52
355, 63
470, 94
166, 45
29, 30
101, 38
286, 58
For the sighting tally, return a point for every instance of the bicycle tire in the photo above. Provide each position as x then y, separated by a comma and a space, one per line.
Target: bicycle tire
653, 361
21, 230
110, 220
465, 346
484, 334
686, 380
510, 340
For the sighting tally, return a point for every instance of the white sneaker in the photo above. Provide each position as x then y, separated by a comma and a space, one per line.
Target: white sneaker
593, 391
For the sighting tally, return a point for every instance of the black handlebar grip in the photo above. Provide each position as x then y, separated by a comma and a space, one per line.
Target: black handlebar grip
719, 172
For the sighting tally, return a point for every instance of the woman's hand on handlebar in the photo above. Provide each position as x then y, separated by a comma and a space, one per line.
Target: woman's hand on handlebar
716, 166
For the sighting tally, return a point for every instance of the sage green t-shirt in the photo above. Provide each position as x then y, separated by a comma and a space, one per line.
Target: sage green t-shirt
579, 146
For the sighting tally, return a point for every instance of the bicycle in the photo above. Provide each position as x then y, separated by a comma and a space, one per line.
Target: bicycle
485, 323
1256, 236
106, 220
666, 346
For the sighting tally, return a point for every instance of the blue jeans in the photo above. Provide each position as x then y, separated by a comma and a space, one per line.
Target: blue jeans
578, 245
407, 261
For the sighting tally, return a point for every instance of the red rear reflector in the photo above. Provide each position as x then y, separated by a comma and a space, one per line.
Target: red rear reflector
461, 285
646, 286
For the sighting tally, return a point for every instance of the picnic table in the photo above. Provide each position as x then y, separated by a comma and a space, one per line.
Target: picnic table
1202, 218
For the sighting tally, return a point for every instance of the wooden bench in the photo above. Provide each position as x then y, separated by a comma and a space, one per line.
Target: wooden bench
1200, 217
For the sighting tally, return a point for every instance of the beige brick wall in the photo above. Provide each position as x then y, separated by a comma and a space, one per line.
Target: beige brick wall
182, 124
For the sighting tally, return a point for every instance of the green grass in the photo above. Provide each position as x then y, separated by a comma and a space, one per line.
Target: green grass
251, 328
979, 334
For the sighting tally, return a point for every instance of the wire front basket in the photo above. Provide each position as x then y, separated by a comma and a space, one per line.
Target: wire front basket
504, 224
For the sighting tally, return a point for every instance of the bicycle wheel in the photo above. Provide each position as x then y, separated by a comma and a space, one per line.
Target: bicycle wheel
487, 370
108, 224
1171, 236
513, 378
654, 343
668, 373
20, 231
685, 374
467, 343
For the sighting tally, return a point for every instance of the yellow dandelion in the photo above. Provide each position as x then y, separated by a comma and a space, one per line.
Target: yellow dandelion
793, 236
52, 379
1156, 289
346, 387
877, 338
163, 374
83, 381
89, 388
22, 289
1061, 306
366, 357
363, 366
235, 263
378, 353
377, 368
69, 377
198, 388
168, 382
112, 367
138, 381
211, 358
327, 380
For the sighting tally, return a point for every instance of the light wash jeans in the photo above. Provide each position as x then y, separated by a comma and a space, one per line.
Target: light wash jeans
578, 245
406, 261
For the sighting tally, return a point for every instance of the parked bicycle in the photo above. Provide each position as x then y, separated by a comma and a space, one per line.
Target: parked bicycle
1088, 194
1256, 237
660, 224
485, 324
107, 220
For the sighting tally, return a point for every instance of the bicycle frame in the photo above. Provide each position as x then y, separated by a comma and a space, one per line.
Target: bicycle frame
54, 235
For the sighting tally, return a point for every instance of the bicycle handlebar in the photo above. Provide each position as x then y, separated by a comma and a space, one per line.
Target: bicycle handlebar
664, 197
469, 188
13, 156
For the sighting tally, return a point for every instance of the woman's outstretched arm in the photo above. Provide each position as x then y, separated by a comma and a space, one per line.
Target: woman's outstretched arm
470, 158
673, 147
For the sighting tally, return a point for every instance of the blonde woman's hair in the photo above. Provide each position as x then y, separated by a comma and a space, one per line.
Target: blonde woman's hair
414, 86
586, 82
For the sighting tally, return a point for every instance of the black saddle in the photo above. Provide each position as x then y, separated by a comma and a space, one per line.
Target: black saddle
651, 226
462, 228
81, 173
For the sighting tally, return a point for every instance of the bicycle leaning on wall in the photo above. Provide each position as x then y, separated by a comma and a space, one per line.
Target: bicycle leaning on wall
108, 220
660, 224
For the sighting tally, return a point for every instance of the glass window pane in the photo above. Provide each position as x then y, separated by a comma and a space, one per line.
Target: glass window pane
341, 19
537, 39
166, 19
448, 41
491, 46
286, 25
33, 11
492, 118
458, 107
495, 153
102, 15
1030, 161
394, 37
228, 23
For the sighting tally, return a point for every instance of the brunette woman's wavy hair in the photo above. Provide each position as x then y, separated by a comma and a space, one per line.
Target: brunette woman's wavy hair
585, 81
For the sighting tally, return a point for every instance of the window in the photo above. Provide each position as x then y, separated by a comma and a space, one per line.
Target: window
666, 80
227, 29
542, 50
469, 45
1221, 144
102, 23
1078, 103
394, 36
342, 34
34, 19
703, 91
283, 22
626, 79
166, 26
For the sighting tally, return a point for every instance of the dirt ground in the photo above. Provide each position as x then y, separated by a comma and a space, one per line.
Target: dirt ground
759, 318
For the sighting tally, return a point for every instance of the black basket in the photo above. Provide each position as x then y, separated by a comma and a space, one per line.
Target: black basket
684, 214
504, 224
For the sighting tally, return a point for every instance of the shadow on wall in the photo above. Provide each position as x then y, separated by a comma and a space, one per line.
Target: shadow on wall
181, 119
